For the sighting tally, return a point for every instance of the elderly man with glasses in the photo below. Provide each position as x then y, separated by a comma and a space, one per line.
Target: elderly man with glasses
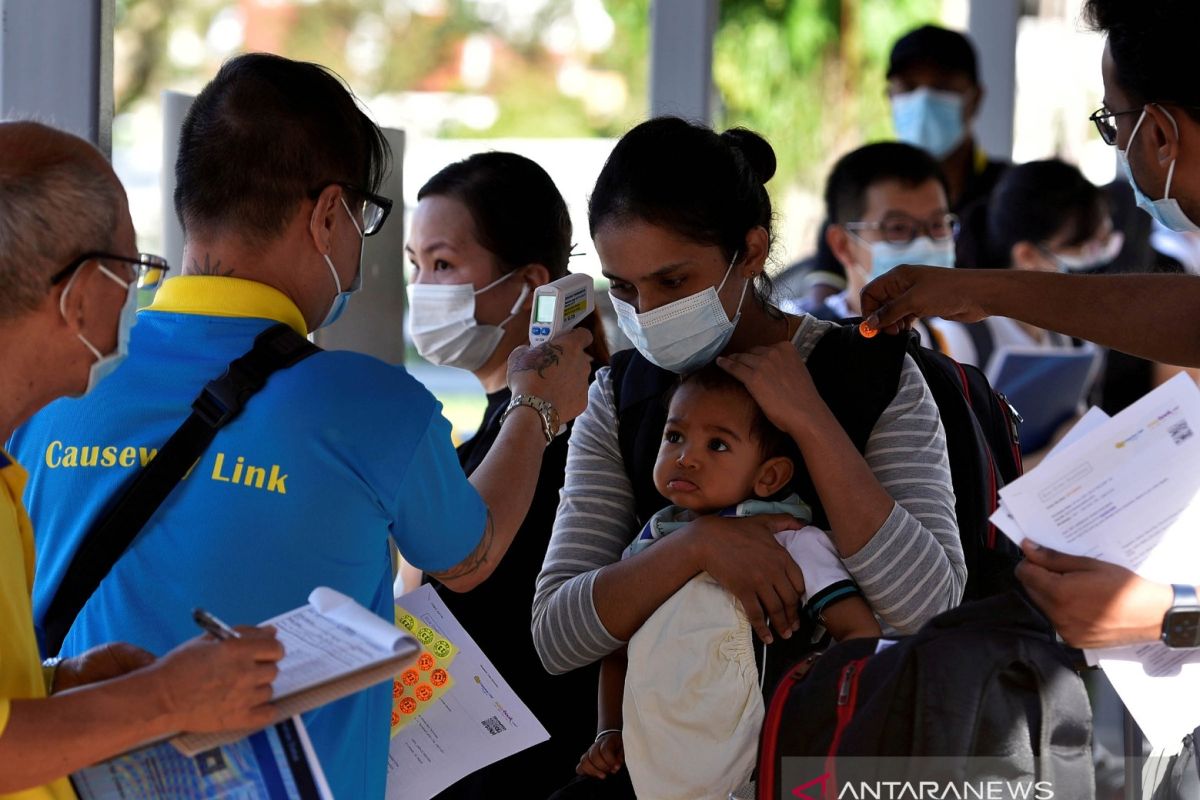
64, 328
277, 180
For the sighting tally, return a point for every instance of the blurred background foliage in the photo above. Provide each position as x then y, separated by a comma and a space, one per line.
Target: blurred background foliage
808, 74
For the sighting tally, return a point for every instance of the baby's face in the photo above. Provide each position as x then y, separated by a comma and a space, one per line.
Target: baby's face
708, 459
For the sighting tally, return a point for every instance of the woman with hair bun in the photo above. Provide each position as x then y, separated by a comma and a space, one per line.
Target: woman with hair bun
682, 221
486, 232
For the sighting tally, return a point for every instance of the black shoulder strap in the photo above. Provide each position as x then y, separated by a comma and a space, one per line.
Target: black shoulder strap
221, 401
638, 389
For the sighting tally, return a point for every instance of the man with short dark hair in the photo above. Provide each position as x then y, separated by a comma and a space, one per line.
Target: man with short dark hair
886, 205
68, 268
1151, 114
934, 87
277, 181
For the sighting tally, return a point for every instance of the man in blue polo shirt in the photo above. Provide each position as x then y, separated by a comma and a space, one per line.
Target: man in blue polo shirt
276, 178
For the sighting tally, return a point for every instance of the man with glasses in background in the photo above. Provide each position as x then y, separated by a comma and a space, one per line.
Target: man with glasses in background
63, 329
277, 180
887, 205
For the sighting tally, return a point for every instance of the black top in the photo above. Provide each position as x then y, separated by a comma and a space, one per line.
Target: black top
497, 615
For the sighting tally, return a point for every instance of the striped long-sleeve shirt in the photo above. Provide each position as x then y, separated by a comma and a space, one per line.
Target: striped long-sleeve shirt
911, 569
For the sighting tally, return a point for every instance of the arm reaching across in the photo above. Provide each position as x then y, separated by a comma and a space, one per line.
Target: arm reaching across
1151, 316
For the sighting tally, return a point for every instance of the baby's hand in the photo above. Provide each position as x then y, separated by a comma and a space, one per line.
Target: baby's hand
603, 758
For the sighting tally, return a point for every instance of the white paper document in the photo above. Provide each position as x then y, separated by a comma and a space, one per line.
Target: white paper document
479, 721
329, 638
1127, 490
333, 647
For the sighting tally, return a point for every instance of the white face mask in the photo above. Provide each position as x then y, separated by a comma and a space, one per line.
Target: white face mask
684, 335
923, 250
1092, 256
441, 321
105, 365
1166, 211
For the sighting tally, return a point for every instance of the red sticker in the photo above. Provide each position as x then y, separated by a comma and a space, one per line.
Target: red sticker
425, 662
424, 692
410, 677
408, 706
439, 677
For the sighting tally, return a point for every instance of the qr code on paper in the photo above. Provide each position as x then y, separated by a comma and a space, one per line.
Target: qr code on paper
493, 725
1180, 432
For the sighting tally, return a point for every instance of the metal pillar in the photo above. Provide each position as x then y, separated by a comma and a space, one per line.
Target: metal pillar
175, 106
681, 48
992, 25
56, 65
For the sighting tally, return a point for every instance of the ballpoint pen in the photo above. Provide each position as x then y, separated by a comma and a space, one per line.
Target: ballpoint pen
213, 625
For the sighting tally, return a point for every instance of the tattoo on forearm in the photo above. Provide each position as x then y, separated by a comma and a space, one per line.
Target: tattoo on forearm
538, 358
477, 558
209, 267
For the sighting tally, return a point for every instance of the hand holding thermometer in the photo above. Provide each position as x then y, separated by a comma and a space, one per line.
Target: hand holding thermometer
560, 306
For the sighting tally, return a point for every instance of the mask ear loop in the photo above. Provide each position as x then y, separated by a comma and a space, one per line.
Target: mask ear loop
745, 286
1171, 169
516, 309
62, 305
496, 282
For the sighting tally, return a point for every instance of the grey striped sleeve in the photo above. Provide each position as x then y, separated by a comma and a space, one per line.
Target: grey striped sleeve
913, 567
595, 522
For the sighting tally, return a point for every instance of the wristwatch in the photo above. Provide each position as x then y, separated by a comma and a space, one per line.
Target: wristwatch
545, 409
1181, 623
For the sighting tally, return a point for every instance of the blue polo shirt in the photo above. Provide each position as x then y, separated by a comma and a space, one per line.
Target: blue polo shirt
331, 458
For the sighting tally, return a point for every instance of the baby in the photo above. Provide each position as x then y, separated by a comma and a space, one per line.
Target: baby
685, 709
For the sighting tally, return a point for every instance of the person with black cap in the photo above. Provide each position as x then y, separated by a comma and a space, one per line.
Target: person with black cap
934, 88
933, 84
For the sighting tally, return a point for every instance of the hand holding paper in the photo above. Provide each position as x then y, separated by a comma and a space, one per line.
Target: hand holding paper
1093, 603
1120, 503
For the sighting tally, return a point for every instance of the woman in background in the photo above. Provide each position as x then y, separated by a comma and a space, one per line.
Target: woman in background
486, 232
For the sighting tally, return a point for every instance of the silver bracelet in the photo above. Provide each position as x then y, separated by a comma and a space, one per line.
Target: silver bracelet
606, 732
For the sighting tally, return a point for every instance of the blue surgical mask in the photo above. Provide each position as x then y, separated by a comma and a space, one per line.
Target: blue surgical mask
923, 250
105, 365
1166, 211
342, 298
929, 119
684, 335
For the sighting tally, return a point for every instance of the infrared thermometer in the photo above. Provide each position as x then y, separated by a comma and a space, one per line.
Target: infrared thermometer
560, 306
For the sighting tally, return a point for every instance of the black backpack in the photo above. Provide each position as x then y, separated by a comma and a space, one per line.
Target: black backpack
982, 691
858, 378
983, 445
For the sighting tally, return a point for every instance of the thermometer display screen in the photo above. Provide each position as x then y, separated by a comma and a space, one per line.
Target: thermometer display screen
545, 308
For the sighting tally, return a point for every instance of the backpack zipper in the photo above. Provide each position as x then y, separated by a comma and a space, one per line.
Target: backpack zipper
1013, 417
847, 702
770, 743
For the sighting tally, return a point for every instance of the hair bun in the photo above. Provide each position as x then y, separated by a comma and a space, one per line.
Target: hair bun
755, 149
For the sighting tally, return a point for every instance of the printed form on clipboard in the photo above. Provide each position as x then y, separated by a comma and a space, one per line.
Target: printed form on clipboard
333, 647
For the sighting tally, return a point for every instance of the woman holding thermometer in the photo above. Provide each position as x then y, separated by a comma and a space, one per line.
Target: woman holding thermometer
489, 234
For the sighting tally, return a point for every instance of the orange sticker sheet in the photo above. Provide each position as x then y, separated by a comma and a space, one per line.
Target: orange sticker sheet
427, 680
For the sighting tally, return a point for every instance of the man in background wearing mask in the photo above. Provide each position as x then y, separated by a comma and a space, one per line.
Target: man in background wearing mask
69, 268
935, 94
887, 205
276, 181
1151, 114
934, 88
